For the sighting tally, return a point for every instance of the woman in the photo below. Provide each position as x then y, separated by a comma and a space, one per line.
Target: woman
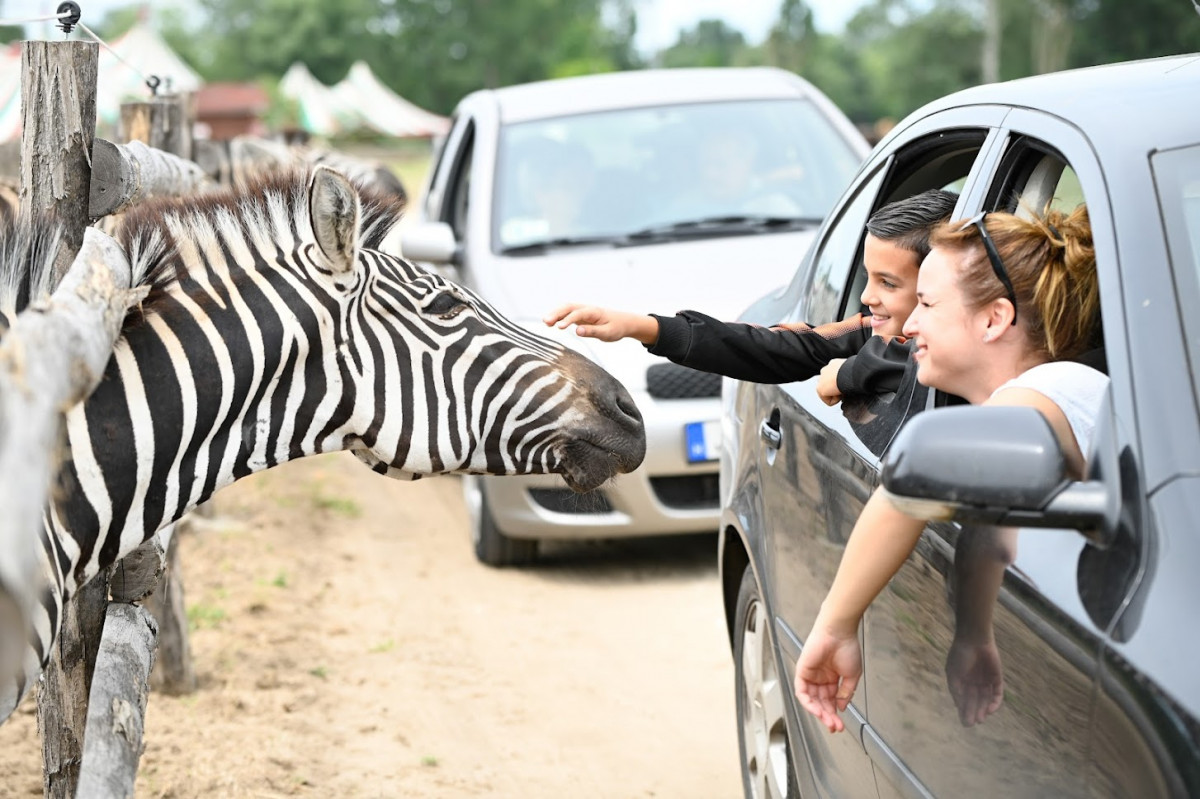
1004, 303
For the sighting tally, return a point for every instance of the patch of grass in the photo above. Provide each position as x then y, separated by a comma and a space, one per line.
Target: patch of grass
281, 580
339, 505
429, 761
204, 616
383, 646
319, 671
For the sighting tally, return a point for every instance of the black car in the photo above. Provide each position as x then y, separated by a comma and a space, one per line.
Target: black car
1086, 593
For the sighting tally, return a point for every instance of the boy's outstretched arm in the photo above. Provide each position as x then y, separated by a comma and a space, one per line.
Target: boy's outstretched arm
604, 323
733, 349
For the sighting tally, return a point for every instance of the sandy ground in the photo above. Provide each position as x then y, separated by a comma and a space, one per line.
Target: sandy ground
348, 644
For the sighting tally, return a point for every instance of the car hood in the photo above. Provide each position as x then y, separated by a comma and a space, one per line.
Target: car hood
719, 277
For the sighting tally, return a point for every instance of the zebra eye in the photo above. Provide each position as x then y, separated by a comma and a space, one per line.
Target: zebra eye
447, 305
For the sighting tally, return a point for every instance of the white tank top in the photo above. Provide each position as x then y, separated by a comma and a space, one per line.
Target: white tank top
1076, 389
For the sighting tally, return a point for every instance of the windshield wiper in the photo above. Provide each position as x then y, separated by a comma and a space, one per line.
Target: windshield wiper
534, 247
716, 225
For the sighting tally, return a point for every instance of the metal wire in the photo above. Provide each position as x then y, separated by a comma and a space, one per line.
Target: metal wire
26, 20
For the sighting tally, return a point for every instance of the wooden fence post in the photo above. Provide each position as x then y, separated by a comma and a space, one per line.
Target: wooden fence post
58, 107
58, 102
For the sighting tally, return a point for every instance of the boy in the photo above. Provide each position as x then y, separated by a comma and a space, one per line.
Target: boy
866, 354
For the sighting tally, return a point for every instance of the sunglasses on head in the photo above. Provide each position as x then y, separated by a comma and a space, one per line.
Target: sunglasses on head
994, 257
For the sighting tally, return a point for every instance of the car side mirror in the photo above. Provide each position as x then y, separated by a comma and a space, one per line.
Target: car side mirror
433, 242
995, 465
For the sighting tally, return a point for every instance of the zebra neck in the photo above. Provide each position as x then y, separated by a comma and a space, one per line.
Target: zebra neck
179, 414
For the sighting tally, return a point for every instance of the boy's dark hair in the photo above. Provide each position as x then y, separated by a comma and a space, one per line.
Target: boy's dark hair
907, 223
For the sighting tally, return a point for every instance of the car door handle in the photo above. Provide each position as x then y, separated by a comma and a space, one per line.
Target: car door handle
769, 432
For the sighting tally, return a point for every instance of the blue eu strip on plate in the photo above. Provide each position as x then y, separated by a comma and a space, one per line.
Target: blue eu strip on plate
703, 441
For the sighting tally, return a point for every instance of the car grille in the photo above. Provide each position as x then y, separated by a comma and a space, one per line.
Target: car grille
687, 492
672, 381
562, 500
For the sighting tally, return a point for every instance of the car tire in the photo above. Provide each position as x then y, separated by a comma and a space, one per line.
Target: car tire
766, 752
492, 547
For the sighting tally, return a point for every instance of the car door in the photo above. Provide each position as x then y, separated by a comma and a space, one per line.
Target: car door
816, 471
981, 655
1143, 587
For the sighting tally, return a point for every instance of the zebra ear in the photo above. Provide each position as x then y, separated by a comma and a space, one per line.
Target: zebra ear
335, 210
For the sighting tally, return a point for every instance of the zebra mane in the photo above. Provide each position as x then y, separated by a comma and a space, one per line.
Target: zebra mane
278, 201
28, 247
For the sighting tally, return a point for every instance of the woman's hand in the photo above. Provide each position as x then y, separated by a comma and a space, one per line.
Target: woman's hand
827, 673
604, 323
975, 679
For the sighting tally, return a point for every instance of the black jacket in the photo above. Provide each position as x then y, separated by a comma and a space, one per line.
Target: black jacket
874, 365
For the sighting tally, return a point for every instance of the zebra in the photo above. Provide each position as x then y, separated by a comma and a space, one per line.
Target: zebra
244, 159
272, 330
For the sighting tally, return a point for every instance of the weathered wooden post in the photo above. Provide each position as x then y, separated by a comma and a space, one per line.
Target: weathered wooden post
58, 106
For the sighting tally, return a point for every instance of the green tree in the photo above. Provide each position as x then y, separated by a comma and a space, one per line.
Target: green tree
1119, 30
910, 57
442, 50
711, 43
10, 33
118, 20
792, 42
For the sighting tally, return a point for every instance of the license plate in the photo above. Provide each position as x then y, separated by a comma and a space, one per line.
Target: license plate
703, 441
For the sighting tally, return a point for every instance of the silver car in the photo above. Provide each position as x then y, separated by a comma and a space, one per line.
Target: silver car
654, 190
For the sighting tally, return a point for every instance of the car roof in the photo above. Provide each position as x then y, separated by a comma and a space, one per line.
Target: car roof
1105, 97
640, 88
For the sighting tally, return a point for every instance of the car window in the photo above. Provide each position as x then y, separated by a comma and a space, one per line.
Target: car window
454, 211
616, 173
941, 161
443, 162
1177, 181
838, 254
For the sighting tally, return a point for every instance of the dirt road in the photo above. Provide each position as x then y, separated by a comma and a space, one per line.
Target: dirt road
349, 645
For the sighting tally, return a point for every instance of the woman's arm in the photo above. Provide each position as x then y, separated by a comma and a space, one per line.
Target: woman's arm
1076, 464
830, 664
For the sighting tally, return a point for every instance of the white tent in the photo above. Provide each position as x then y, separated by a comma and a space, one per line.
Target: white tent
137, 55
383, 109
322, 112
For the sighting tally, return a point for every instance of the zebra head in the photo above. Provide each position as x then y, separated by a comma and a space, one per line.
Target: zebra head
346, 347
442, 382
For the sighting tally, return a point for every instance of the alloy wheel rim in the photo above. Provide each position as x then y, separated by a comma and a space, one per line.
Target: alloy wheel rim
764, 730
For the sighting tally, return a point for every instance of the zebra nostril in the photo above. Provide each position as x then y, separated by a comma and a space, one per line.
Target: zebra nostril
626, 405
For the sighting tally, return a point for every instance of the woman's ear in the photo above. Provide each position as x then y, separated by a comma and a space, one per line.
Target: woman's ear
999, 319
335, 211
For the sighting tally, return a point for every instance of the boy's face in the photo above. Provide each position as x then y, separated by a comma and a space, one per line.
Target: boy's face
891, 292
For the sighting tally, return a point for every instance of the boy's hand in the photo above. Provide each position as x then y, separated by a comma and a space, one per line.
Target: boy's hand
827, 388
604, 323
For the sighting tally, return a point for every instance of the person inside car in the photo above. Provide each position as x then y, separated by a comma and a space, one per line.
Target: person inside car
555, 178
869, 349
1004, 303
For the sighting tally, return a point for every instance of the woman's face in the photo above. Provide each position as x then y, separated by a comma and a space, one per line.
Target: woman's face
948, 336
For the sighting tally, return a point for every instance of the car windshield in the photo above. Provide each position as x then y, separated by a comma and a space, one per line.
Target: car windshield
662, 173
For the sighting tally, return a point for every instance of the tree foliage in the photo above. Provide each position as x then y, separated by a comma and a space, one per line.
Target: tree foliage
893, 55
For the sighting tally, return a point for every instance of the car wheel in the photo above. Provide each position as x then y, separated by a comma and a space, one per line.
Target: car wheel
767, 771
492, 546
